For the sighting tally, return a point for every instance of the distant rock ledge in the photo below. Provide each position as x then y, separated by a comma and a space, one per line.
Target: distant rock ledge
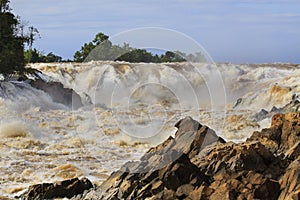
58, 93
197, 164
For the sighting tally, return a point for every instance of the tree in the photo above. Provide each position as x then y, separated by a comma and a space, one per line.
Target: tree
4, 6
11, 45
85, 50
35, 56
137, 55
170, 56
100, 39
50, 57
33, 32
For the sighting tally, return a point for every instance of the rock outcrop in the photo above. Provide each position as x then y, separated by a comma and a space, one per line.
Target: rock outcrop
292, 106
283, 133
59, 93
290, 182
197, 164
64, 189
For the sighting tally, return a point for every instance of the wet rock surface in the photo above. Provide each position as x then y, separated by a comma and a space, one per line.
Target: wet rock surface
197, 164
59, 93
292, 106
64, 189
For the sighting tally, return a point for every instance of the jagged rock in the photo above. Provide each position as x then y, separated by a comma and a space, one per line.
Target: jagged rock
290, 182
283, 134
261, 115
275, 109
186, 125
237, 158
181, 172
244, 185
162, 182
197, 164
67, 188
58, 93
294, 152
164, 168
190, 138
292, 106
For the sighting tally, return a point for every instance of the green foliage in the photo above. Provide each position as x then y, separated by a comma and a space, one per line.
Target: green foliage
100, 40
102, 49
35, 56
50, 57
11, 45
170, 56
81, 55
4, 6
137, 55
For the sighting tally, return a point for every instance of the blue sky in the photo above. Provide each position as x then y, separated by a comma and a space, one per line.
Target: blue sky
246, 31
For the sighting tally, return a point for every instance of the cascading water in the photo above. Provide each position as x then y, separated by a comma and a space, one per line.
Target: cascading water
126, 107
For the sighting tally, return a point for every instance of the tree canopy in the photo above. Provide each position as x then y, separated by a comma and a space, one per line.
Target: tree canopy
101, 48
36, 56
11, 44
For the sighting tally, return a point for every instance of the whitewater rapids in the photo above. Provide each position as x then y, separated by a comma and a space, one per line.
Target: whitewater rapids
126, 108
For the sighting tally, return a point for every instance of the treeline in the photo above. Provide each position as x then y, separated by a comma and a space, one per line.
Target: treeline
14, 36
101, 48
11, 41
36, 56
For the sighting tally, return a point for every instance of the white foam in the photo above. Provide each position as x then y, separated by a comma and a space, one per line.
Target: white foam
91, 137
13, 129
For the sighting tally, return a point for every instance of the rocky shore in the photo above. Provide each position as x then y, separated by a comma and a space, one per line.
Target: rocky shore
197, 164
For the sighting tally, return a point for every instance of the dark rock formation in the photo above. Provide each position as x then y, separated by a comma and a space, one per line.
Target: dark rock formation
170, 181
197, 164
68, 189
58, 93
